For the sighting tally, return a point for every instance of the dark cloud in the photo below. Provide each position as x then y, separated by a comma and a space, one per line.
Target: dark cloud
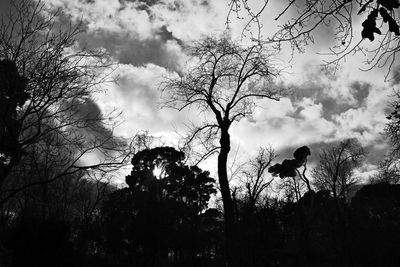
204, 3
89, 113
141, 4
395, 75
87, 110
377, 150
130, 50
144, 5
146, 2
360, 91
274, 122
331, 106
129, 86
166, 35
175, 6
318, 91
127, 47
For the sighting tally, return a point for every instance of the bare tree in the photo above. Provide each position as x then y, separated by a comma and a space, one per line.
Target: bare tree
299, 20
222, 80
57, 79
293, 188
388, 171
335, 169
392, 129
255, 180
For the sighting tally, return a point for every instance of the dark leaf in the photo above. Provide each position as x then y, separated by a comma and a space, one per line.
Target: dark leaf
369, 26
373, 14
302, 153
275, 169
384, 14
393, 26
389, 4
376, 30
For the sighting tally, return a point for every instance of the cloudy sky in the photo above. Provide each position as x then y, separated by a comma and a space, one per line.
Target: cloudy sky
146, 38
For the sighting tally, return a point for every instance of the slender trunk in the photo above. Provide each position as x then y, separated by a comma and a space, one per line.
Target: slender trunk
229, 216
335, 196
308, 185
296, 190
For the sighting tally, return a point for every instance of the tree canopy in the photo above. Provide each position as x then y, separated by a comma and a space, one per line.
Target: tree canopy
164, 206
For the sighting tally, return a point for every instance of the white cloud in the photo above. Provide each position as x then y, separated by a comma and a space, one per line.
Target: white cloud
303, 121
108, 15
309, 110
266, 109
325, 107
138, 97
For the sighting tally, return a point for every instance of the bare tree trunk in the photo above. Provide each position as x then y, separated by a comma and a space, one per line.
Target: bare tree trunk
335, 196
226, 198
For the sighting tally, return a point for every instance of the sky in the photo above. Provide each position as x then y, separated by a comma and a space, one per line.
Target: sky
146, 38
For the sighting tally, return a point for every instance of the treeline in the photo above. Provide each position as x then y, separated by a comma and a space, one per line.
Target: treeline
165, 218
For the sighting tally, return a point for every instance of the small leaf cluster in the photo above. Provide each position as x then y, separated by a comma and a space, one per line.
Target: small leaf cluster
395, 114
384, 8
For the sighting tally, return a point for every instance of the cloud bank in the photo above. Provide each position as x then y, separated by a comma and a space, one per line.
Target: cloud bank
148, 39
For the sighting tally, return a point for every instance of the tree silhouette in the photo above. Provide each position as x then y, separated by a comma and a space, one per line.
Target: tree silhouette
392, 129
388, 171
161, 171
161, 209
255, 182
290, 167
335, 169
13, 95
46, 94
222, 82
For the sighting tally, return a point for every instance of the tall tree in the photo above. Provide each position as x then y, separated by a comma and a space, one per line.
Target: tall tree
222, 80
